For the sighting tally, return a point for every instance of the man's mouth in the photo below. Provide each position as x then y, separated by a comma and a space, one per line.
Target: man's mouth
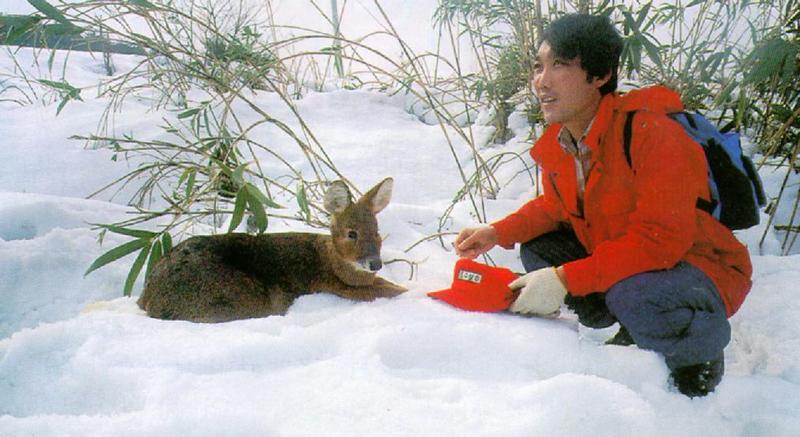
546, 100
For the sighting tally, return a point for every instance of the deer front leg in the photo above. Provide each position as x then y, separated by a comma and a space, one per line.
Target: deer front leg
379, 288
384, 288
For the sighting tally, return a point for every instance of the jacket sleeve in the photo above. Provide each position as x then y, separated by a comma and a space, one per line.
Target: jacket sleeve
669, 174
536, 217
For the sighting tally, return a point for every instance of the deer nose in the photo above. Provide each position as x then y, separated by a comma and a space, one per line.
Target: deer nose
375, 265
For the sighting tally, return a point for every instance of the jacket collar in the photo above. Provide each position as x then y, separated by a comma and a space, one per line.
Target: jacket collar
548, 148
548, 151
602, 119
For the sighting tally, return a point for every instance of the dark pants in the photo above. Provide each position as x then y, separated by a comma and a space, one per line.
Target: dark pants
677, 312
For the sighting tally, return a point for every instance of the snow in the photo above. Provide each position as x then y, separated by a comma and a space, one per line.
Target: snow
78, 359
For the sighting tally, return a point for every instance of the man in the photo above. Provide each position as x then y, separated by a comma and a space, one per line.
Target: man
620, 242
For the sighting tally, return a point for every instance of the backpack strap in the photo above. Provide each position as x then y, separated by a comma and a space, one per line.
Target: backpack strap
627, 133
706, 205
690, 120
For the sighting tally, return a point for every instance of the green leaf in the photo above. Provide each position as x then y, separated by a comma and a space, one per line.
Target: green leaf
19, 21
255, 192
16, 28
117, 253
257, 208
709, 66
51, 59
652, 52
61, 105
184, 175
772, 58
796, 13
166, 243
629, 22
190, 182
238, 210
142, 3
222, 166
635, 54
189, 176
206, 122
725, 94
137, 233
61, 86
195, 124
63, 29
67, 92
302, 200
136, 268
50, 12
642, 15
155, 256
189, 113
604, 8
479, 86
238, 174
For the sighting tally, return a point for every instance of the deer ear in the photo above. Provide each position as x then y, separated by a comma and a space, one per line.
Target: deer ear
379, 196
337, 198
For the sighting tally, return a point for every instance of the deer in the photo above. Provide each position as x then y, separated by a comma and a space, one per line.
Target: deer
224, 277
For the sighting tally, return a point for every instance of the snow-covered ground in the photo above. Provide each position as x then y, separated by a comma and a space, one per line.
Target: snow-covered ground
403, 366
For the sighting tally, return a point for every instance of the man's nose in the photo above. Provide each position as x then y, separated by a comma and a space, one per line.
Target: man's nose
540, 80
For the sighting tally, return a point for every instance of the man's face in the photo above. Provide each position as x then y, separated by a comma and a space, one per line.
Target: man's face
565, 93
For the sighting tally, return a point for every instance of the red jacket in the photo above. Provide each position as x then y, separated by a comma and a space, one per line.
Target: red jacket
635, 219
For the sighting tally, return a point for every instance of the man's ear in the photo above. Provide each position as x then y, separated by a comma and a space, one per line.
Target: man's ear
599, 81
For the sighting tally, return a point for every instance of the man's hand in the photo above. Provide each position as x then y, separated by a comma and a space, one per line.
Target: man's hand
472, 242
542, 293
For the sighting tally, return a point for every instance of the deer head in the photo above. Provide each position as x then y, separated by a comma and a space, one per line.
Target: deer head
354, 228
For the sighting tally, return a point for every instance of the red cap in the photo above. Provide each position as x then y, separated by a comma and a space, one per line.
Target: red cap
478, 287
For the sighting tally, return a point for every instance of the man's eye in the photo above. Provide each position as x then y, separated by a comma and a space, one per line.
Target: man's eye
353, 235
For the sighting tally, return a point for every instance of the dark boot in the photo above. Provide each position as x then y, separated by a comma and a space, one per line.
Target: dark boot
699, 379
591, 310
621, 338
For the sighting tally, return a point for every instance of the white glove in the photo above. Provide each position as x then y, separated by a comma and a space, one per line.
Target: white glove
542, 293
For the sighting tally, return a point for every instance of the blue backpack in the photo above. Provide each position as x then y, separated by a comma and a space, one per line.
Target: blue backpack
736, 190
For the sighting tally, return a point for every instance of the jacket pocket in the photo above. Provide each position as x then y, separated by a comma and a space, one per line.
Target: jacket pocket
616, 202
612, 216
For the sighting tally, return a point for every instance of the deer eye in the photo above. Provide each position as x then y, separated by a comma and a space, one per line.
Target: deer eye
353, 235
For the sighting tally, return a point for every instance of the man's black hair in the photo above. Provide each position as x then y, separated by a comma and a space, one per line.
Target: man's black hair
592, 37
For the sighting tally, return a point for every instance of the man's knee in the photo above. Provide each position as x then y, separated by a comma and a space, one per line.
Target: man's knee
646, 304
629, 295
645, 313
676, 312
665, 291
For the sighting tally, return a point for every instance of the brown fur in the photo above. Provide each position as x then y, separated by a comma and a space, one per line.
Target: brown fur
216, 278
